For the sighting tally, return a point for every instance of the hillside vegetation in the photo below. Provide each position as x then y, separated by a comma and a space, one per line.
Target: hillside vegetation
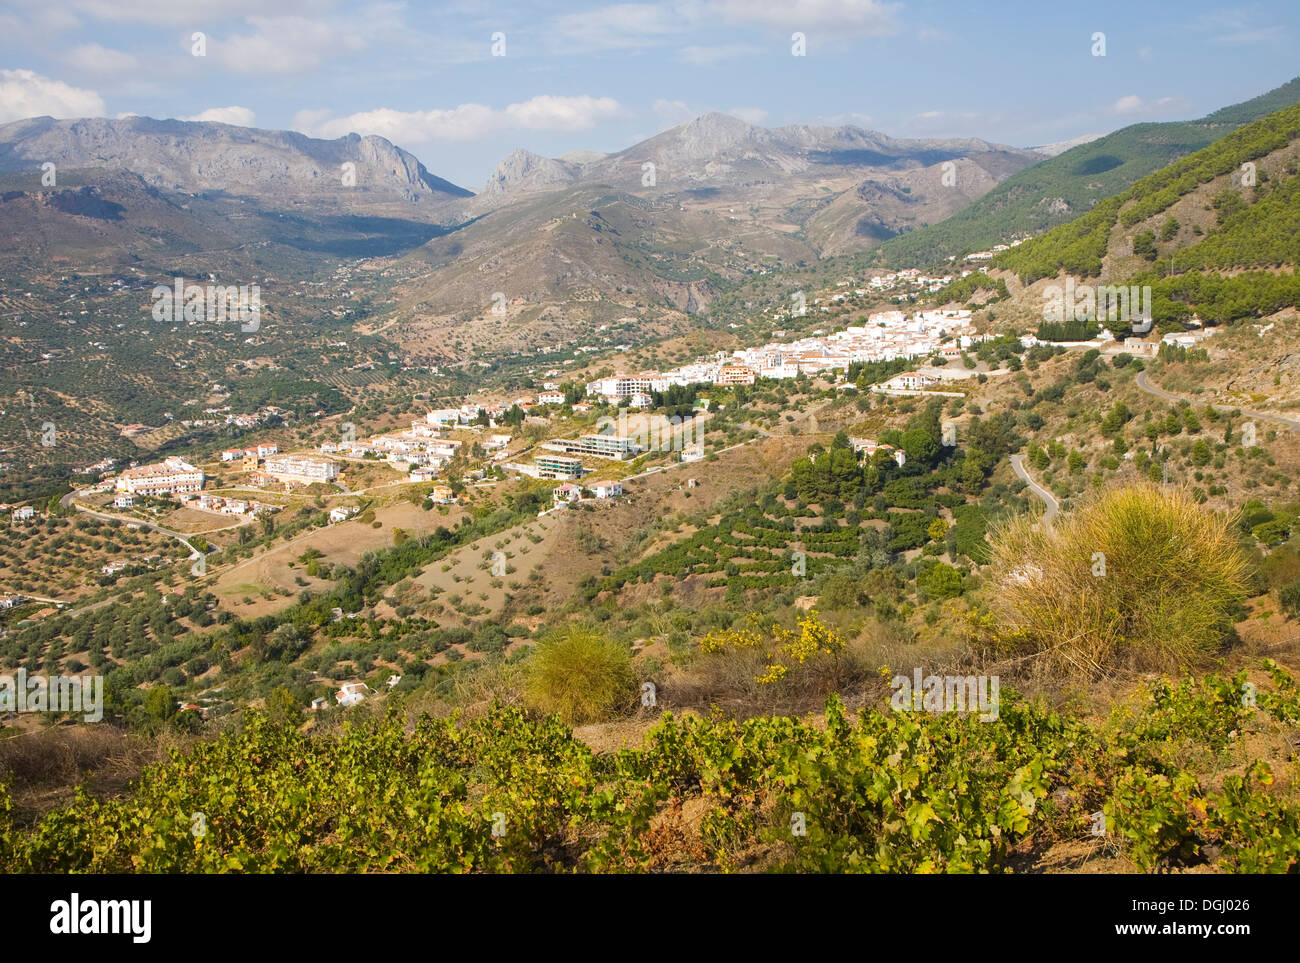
1079, 247
888, 791
1067, 186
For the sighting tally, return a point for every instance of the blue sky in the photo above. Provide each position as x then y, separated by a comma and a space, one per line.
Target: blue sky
603, 76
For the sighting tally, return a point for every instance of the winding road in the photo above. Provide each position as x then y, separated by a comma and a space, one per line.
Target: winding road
1144, 383
1053, 507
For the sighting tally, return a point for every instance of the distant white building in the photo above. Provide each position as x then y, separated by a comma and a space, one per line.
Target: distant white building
352, 693
910, 381
303, 469
566, 493
607, 489
172, 476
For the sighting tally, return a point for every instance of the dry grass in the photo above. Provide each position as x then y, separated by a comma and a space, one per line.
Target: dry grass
44, 767
1138, 576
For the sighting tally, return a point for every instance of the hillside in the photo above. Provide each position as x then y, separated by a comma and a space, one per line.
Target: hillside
1213, 234
1070, 184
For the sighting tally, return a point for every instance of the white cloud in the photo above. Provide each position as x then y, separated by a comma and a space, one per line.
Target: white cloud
750, 115
191, 13
238, 116
673, 112
24, 93
1238, 27
854, 118
1132, 103
465, 122
547, 112
632, 26
621, 26
860, 17
94, 59
287, 44
283, 45
708, 55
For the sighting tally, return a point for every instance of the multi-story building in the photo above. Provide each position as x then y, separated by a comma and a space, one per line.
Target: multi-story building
623, 386
174, 475
558, 466
735, 374
301, 469
595, 446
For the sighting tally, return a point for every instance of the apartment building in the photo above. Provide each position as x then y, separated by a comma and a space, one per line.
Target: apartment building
558, 467
595, 446
735, 374
174, 475
622, 386
301, 469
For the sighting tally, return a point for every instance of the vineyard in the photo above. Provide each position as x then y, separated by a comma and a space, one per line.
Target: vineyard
1168, 782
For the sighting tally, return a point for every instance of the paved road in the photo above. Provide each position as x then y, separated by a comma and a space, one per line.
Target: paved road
128, 520
1047, 498
1144, 383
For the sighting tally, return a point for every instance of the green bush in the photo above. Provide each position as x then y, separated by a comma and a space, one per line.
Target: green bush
580, 675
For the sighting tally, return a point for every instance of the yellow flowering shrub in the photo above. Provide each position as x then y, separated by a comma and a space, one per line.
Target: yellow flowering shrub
783, 649
721, 640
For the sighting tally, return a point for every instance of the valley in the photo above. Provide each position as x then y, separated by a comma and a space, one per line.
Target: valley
613, 501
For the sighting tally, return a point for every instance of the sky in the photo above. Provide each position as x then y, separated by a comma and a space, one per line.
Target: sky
463, 84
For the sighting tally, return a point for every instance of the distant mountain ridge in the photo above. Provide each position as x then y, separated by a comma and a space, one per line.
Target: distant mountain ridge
278, 168
719, 150
839, 189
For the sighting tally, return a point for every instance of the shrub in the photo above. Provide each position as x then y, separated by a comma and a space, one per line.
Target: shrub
1140, 575
580, 675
